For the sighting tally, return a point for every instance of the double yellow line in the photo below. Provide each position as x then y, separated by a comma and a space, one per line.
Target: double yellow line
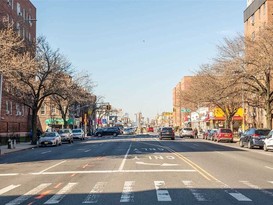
197, 168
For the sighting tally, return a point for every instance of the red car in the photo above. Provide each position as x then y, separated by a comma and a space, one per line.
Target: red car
150, 129
223, 134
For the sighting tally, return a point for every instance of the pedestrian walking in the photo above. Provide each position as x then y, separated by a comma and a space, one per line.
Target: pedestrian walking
195, 133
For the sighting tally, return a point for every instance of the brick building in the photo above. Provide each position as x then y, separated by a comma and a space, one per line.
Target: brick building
179, 118
14, 117
257, 15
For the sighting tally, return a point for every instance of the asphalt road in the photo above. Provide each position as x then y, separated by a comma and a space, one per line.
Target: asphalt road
137, 170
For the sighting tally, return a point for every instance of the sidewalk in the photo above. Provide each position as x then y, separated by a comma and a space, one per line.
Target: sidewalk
18, 147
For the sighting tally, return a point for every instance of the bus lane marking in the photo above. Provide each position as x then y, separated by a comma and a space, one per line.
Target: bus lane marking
124, 159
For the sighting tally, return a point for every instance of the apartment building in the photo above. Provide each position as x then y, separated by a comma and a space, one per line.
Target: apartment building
257, 15
180, 110
14, 117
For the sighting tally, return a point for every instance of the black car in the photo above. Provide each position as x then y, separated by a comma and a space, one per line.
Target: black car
166, 132
253, 137
115, 131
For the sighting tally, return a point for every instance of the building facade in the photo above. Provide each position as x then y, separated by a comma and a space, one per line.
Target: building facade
15, 117
180, 110
257, 15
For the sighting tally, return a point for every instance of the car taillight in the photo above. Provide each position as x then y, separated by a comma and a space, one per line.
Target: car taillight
256, 135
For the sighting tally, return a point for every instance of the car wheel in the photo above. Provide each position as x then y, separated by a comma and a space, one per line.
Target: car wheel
241, 143
115, 134
172, 138
265, 147
99, 135
249, 146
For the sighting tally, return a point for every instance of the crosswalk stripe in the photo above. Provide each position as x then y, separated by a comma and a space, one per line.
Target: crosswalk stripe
94, 195
127, 193
258, 188
8, 188
161, 192
61, 194
239, 196
197, 195
29, 194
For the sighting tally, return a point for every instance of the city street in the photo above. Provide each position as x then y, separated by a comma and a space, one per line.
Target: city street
137, 169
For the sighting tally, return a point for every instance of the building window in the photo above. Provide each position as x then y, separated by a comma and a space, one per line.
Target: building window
252, 19
18, 110
53, 110
19, 13
10, 110
10, 3
43, 110
253, 36
23, 110
7, 107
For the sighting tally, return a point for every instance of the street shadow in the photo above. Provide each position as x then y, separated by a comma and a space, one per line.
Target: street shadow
175, 196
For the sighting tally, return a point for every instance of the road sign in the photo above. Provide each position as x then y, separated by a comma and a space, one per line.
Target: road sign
185, 110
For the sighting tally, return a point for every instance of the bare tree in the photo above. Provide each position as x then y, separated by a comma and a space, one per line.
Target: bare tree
254, 68
33, 78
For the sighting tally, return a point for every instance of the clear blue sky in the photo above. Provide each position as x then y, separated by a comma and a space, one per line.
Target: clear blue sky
138, 50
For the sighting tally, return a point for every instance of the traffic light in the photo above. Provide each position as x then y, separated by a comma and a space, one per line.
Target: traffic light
108, 107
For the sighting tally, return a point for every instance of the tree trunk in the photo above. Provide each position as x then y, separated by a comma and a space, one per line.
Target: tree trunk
268, 115
34, 127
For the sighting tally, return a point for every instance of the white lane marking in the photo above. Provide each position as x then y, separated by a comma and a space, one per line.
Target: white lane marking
29, 194
46, 152
153, 164
127, 193
268, 167
197, 195
93, 197
10, 174
88, 150
8, 188
124, 159
239, 196
161, 192
114, 171
52, 167
256, 187
61, 194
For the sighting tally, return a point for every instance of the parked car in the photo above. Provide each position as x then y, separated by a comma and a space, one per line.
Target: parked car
128, 131
253, 137
205, 134
211, 134
78, 134
115, 131
187, 132
50, 138
223, 134
66, 135
166, 132
268, 141
150, 129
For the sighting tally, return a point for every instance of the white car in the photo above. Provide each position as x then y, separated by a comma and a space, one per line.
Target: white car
78, 134
50, 138
268, 142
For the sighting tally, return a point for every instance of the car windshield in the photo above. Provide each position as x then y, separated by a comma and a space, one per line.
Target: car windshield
63, 131
188, 129
262, 132
166, 129
226, 131
49, 134
76, 131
